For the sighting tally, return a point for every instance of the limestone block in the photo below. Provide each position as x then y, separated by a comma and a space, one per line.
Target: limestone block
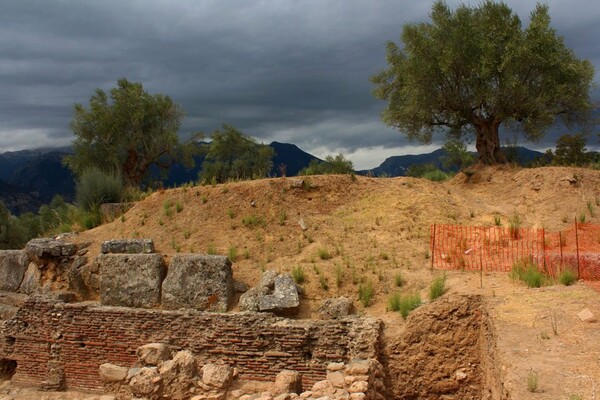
13, 264
284, 300
131, 280
146, 382
127, 246
217, 376
336, 308
49, 247
287, 382
198, 281
153, 354
112, 373
31, 279
336, 378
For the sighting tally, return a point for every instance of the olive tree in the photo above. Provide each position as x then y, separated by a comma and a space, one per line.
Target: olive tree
126, 132
475, 68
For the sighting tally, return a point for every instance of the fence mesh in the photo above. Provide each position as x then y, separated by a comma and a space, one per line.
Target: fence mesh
497, 248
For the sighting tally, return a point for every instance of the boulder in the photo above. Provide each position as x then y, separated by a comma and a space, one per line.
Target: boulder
31, 279
153, 354
336, 308
284, 300
147, 382
198, 281
127, 246
131, 280
178, 375
13, 264
112, 373
217, 376
276, 293
49, 247
249, 300
287, 382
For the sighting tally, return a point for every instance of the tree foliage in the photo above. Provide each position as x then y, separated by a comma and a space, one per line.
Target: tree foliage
126, 132
332, 165
472, 69
232, 155
457, 155
570, 150
12, 234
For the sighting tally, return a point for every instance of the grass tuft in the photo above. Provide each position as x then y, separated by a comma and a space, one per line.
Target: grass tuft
409, 302
298, 275
526, 271
532, 382
366, 293
567, 277
323, 253
437, 287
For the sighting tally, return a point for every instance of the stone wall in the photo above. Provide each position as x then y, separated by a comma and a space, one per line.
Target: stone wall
51, 340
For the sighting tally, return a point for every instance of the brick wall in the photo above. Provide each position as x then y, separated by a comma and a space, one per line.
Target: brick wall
78, 337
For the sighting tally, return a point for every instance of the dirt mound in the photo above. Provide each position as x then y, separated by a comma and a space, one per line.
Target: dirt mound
443, 351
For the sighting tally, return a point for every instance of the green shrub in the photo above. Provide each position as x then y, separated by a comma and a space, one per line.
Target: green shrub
211, 250
253, 220
232, 254
525, 270
96, 187
339, 275
298, 274
409, 302
436, 175
567, 277
399, 280
394, 302
323, 253
437, 287
365, 293
324, 282
532, 382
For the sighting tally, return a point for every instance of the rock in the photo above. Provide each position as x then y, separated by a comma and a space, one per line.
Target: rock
268, 279
333, 366
31, 279
284, 300
153, 354
287, 382
297, 184
127, 246
132, 372
586, 315
13, 264
336, 308
198, 281
358, 367
178, 375
359, 387
217, 376
249, 300
75, 278
322, 387
112, 373
146, 382
48, 247
131, 280
461, 374
240, 287
336, 378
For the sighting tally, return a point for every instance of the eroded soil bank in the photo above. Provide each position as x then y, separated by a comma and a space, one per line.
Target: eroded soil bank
445, 351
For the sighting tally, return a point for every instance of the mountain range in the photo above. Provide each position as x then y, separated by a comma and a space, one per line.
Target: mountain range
30, 178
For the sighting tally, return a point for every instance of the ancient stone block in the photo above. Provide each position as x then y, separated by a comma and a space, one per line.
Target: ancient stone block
217, 376
284, 299
112, 373
127, 246
198, 281
131, 280
153, 354
31, 279
13, 264
49, 247
287, 382
336, 308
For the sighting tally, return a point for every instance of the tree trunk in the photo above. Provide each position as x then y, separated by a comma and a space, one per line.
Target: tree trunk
488, 143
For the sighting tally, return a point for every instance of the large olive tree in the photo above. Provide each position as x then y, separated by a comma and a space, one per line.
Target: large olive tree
475, 68
126, 132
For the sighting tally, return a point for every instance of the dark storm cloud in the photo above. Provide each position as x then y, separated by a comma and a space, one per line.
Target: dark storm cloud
291, 71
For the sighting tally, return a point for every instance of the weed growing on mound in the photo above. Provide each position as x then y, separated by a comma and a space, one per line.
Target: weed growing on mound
409, 302
253, 220
526, 271
436, 175
532, 382
232, 254
324, 253
437, 287
211, 250
365, 293
298, 274
394, 302
567, 277
399, 280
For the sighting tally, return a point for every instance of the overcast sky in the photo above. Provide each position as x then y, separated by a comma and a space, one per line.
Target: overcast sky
293, 71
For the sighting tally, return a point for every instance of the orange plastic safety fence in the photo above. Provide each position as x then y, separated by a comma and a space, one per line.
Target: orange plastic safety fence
459, 247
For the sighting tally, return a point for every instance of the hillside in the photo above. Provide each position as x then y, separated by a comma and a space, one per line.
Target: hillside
358, 229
